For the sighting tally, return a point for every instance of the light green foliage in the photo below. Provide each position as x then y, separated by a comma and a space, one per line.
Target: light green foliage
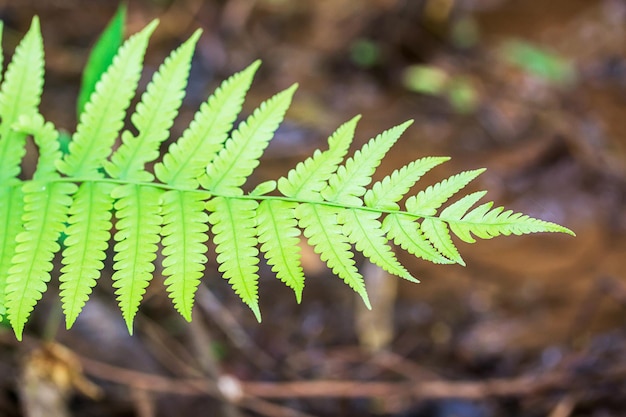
101, 56
199, 185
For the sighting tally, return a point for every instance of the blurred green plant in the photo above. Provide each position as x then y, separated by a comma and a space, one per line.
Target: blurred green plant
199, 184
365, 53
538, 62
459, 91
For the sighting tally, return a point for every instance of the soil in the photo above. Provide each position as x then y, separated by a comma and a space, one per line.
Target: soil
532, 326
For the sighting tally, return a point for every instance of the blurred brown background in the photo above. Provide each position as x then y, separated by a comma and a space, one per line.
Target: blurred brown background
533, 326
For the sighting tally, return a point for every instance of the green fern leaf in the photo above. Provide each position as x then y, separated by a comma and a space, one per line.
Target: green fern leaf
11, 210
457, 210
45, 137
308, 178
406, 232
101, 56
138, 224
45, 214
386, 193
20, 95
154, 116
87, 239
322, 229
279, 240
104, 114
241, 152
347, 185
486, 223
365, 232
188, 157
234, 233
437, 233
263, 188
184, 235
426, 202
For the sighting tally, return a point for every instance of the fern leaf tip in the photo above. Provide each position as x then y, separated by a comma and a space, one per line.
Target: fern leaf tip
129, 326
196, 35
256, 311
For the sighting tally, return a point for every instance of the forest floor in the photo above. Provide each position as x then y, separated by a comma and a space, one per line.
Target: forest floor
532, 326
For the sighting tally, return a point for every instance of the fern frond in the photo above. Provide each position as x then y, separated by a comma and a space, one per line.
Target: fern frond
241, 152
234, 233
45, 214
104, 114
20, 95
188, 157
154, 116
347, 185
322, 229
309, 177
200, 186
386, 193
138, 226
184, 235
278, 236
87, 239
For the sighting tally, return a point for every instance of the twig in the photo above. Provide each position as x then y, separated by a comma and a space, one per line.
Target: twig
190, 386
499, 387
429, 389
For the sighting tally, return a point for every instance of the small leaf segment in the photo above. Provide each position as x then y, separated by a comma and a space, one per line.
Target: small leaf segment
195, 192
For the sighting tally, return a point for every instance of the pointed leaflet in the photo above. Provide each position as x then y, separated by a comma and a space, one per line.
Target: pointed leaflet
324, 233
406, 233
486, 223
365, 232
45, 214
154, 116
45, 211
437, 233
104, 114
184, 234
11, 210
457, 210
233, 222
308, 178
386, 193
241, 152
427, 201
19, 95
347, 185
278, 235
86, 242
188, 157
138, 224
